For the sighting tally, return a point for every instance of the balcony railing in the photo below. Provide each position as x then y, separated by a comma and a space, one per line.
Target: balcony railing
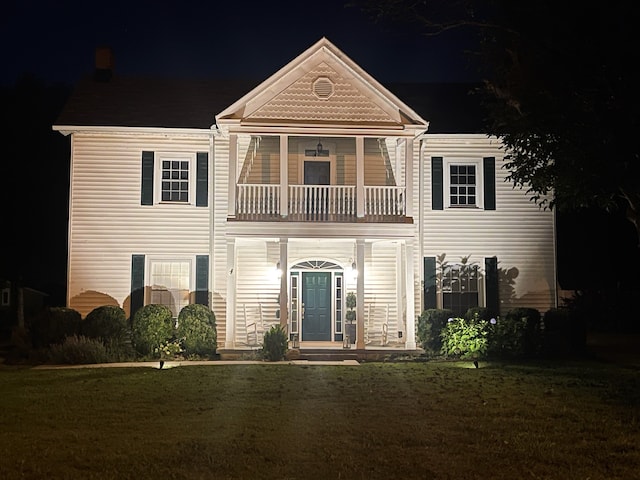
320, 202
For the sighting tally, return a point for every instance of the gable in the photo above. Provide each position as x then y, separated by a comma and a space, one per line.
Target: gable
322, 86
323, 95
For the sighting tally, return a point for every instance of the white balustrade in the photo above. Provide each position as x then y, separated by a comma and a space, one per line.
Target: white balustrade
340, 200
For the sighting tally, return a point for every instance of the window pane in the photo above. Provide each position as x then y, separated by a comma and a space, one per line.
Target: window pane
462, 184
170, 282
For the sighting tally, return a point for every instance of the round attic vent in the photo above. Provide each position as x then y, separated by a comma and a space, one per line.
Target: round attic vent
323, 88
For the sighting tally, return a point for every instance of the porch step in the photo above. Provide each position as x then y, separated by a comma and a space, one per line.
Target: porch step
321, 355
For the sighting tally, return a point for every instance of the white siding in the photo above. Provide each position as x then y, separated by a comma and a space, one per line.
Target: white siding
108, 224
517, 231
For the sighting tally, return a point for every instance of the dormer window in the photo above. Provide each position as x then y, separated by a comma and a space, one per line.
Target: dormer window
323, 88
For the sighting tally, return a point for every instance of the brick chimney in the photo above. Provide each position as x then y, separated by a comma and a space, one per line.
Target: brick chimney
104, 64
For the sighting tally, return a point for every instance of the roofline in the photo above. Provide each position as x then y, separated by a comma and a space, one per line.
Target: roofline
67, 129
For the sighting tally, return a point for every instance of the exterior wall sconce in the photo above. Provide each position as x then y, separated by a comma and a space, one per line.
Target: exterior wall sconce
278, 271
319, 147
354, 270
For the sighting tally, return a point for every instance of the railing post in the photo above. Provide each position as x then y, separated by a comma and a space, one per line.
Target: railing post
233, 166
408, 174
284, 175
360, 177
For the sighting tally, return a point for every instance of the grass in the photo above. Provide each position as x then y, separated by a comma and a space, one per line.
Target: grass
433, 420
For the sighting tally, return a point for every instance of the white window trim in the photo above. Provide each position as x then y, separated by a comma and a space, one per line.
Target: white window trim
151, 259
477, 162
162, 156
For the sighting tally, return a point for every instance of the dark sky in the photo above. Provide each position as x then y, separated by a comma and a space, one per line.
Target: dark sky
56, 40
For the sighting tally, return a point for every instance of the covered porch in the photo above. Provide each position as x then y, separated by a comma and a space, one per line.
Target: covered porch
302, 284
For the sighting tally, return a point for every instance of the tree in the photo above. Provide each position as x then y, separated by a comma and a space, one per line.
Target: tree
561, 91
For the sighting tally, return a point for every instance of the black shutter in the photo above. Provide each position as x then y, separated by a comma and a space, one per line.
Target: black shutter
491, 287
202, 179
202, 279
430, 299
137, 283
436, 184
489, 166
146, 197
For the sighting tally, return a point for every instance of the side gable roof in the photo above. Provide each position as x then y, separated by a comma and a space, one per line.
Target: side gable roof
287, 96
149, 102
322, 85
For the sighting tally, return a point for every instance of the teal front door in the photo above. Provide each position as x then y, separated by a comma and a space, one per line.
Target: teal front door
316, 300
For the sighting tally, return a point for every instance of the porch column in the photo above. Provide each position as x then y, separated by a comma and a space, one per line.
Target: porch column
359, 178
360, 294
408, 177
410, 343
284, 178
230, 325
233, 174
284, 282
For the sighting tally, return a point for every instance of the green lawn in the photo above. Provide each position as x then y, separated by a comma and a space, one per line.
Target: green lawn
433, 420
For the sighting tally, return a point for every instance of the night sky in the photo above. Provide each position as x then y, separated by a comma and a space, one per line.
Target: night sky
56, 40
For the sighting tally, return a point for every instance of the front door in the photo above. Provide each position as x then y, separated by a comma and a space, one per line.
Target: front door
317, 173
316, 301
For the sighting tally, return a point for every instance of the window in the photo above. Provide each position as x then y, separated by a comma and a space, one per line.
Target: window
462, 185
6, 297
181, 178
459, 287
170, 283
175, 181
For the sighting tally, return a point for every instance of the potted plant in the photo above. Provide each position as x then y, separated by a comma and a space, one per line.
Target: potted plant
350, 317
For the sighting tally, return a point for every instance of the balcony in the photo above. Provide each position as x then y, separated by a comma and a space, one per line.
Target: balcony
320, 203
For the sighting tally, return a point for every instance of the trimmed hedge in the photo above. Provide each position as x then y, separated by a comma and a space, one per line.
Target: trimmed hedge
108, 322
151, 327
517, 334
53, 325
197, 330
430, 325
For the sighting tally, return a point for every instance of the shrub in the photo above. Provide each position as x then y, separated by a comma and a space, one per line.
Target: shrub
466, 339
517, 334
478, 313
109, 325
274, 347
197, 330
52, 325
108, 322
152, 326
430, 325
564, 332
77, 349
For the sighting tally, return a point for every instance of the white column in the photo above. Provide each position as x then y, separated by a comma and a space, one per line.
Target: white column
284, 176
284, 282
360, 294
233, 174
360, 177
410, 343
401, 297
408, 176
230, 330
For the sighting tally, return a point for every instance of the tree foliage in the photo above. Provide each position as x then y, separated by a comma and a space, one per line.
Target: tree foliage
560, 88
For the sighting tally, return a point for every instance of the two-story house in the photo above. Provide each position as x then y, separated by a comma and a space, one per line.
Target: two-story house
271, 203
